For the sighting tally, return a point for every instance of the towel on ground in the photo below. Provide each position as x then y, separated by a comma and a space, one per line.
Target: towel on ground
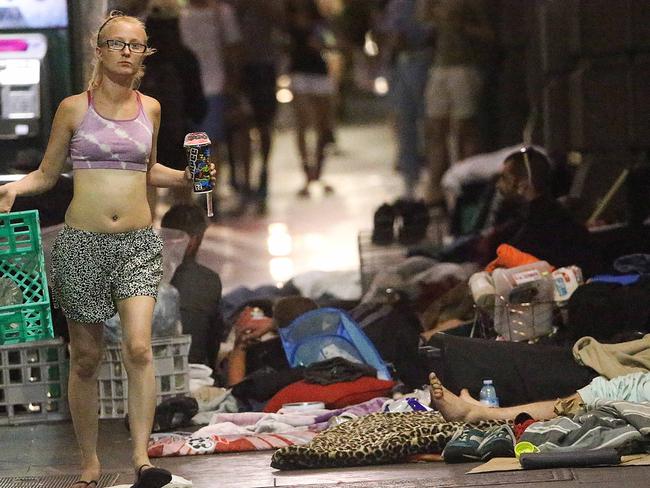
613, 360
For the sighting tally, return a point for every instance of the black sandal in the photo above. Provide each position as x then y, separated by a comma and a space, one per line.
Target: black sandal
152, 477
85, 483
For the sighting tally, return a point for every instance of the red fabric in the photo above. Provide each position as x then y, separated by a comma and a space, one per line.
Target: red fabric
510, 257
337, 395
521, 427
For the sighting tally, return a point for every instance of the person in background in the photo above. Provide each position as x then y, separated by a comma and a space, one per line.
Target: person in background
311, 86
174, 79
256, 339
541, 225
199, 288
407, 51
463, 35
528, 217
261, 21
209, 28
107, 258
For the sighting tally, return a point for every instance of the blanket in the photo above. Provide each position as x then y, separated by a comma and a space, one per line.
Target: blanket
254, 431
619, 424
612, 360
379, 438
184, 444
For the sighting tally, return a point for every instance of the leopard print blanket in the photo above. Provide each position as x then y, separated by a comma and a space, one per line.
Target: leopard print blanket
379, 438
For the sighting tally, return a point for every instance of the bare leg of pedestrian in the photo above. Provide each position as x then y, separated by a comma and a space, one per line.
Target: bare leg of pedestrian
438, 158
86, 349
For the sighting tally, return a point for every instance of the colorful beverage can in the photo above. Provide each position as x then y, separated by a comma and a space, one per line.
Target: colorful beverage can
197, 152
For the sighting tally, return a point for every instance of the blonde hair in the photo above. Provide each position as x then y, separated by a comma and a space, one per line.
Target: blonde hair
98, 69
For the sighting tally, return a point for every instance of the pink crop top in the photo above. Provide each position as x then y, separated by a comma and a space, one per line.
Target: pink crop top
101, 143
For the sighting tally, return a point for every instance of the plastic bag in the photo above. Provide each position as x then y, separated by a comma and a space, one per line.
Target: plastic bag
166, 316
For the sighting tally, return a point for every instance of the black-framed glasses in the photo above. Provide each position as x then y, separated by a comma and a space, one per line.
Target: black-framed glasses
117, 45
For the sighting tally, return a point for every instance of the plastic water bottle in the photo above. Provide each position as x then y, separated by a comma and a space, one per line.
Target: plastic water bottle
488, 394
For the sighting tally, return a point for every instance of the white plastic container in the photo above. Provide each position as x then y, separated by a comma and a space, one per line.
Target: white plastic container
524, 301
566, 281
481, 285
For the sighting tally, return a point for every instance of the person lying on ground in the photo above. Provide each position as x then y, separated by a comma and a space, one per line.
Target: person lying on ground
249, 354
633, 387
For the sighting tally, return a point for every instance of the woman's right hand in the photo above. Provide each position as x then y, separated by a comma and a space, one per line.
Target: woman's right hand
7, 198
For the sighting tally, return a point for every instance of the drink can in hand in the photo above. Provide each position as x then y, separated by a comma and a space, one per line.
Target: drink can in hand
197, 152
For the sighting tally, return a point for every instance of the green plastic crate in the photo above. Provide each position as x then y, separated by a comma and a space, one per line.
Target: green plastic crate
22, 275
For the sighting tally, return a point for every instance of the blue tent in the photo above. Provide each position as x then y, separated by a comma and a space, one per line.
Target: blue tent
325, 333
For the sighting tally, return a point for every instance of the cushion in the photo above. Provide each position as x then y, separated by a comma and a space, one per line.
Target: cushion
336, 395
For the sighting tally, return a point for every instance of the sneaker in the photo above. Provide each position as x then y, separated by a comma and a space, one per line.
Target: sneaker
384, 219
414, 221
463, 447
499, 442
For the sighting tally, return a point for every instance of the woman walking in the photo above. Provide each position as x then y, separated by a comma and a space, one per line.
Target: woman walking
311, 86
107, 258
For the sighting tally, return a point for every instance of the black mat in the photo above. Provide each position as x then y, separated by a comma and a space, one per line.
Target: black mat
485, 479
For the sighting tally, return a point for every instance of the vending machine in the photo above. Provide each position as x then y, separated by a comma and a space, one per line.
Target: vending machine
22, 79
34, 75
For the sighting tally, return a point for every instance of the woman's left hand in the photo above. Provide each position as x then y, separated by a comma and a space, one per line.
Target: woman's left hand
213, 175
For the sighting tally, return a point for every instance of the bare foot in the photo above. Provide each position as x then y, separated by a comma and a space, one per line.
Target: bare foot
466, 397
89, 476
452, 407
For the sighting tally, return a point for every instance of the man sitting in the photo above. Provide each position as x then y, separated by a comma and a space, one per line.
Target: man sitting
544, 227
199, 287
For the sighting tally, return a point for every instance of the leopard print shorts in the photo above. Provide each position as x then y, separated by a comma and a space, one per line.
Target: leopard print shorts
92, 270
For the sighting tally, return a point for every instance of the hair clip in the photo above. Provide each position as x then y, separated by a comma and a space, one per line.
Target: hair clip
112, 15
524, 151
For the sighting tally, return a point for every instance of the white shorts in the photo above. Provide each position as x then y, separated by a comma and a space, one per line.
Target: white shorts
311, 84
633, 387
453, 91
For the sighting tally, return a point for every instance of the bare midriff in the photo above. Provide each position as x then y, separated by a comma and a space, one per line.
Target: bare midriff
109, 200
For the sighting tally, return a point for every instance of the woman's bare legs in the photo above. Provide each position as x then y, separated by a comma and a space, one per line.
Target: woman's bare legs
303, 118
438, 157
468, 137
136, 314
452, 407
321, 107
86, 349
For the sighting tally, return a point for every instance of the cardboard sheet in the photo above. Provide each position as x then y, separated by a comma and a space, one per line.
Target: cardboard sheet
512, 464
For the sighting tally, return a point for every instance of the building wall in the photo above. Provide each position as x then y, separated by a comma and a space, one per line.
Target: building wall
592, 81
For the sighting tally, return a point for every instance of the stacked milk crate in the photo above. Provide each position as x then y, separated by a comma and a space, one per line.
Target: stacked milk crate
33, 365
171, 369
